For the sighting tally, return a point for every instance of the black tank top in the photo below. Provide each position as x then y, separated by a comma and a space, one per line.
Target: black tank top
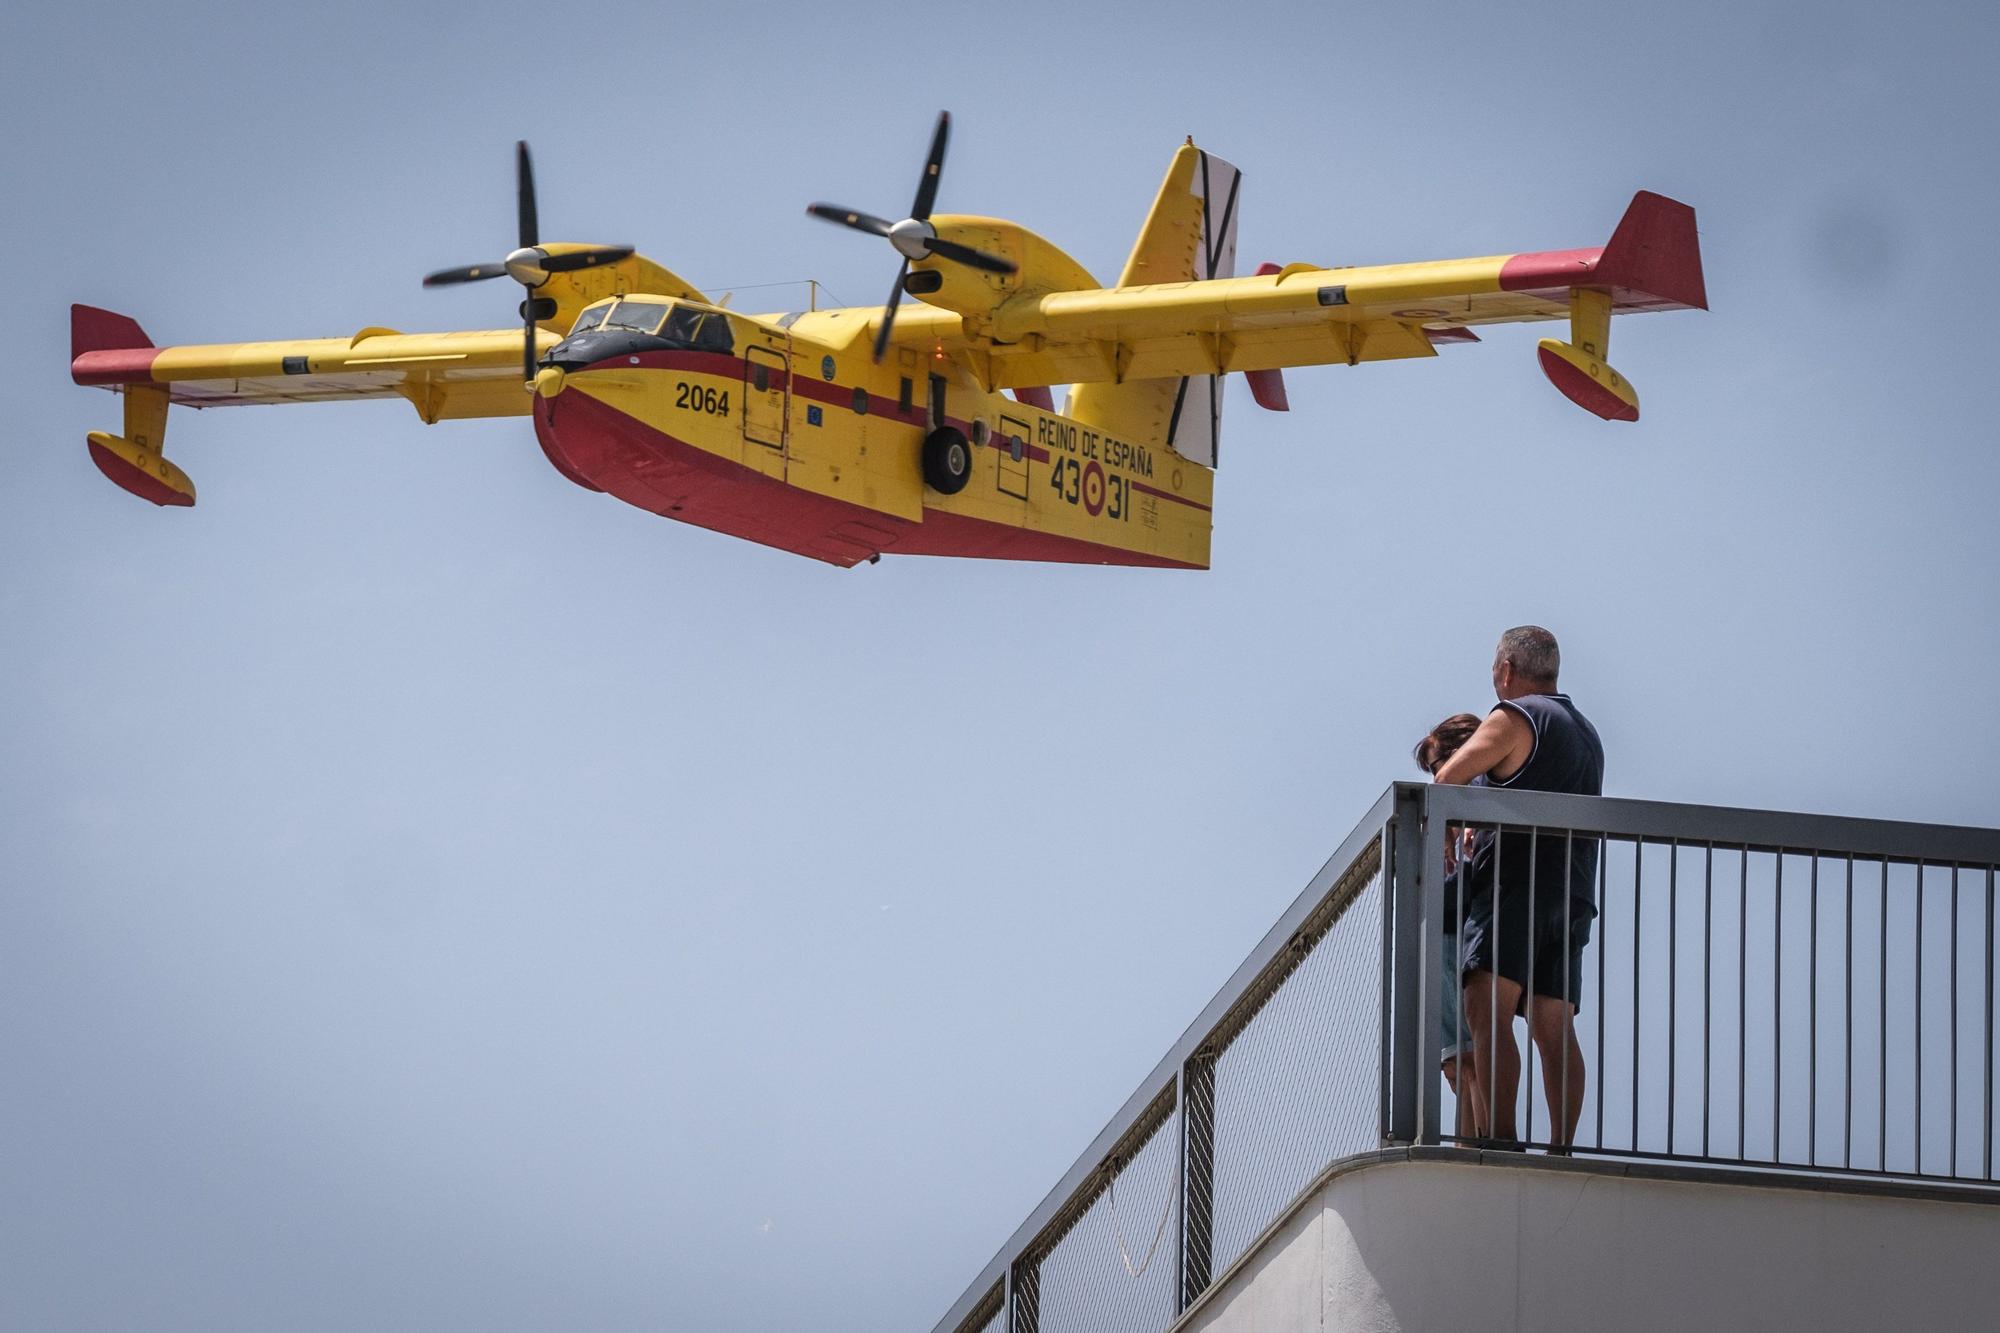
1566, 756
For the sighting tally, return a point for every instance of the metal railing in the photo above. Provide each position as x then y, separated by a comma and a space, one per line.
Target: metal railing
1793, 992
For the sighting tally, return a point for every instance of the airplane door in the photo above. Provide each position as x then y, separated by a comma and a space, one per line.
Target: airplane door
767, 392
1013, 442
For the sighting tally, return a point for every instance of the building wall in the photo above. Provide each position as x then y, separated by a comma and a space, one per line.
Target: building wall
1434, 1243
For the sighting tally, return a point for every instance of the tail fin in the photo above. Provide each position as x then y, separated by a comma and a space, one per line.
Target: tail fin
1189, 236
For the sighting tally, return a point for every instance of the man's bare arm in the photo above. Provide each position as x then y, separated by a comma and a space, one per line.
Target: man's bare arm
1503, 741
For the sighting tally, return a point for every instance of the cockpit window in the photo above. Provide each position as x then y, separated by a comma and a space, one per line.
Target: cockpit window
695, 328
700, 330
639, 316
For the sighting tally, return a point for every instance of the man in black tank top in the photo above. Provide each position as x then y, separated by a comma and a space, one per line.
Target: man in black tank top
1529, 899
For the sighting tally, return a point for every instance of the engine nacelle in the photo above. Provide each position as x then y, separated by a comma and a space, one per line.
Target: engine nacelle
1040, 266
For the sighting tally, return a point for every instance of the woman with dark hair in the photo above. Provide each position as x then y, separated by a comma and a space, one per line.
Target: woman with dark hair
1443, 741
1439, 744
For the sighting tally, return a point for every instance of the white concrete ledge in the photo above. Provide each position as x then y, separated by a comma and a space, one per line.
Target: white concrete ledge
1451, 1239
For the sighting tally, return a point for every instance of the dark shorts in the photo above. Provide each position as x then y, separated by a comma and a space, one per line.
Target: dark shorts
1554, 970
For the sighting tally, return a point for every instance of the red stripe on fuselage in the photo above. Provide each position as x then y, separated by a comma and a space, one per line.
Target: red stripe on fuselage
806, 386
737, 368
1144, 489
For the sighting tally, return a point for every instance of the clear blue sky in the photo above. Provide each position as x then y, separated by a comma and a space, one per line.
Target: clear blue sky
432, 896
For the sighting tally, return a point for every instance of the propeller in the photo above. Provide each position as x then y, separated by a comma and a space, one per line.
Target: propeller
529, 265
913, 237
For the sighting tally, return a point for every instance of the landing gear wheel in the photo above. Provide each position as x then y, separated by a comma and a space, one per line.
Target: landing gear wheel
947, 460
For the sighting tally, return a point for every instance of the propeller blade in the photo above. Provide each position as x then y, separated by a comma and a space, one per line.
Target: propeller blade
850, 217
927, 186
445, 277
965, 254
528, 349
595, 257
889, 314
524, 172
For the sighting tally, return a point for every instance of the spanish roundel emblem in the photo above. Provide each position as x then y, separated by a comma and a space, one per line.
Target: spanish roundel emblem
826, 367
1093, 488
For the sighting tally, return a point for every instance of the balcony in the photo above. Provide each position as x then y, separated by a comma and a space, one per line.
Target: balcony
1788, 1071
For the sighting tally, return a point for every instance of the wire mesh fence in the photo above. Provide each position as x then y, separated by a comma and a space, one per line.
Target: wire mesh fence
1278, 1077
1299, 1086
1114, 1271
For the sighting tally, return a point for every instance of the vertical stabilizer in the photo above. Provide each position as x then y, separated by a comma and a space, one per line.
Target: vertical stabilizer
1189, 236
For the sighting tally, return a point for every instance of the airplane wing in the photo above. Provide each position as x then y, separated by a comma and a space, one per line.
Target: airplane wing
1306, 315
442, 375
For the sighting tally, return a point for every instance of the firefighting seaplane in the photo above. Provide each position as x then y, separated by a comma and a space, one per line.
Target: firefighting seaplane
846, 434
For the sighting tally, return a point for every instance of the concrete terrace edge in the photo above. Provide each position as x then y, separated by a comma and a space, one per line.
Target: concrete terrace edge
1635, 1169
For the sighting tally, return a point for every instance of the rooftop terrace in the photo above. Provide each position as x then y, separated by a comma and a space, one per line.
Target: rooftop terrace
1790, 1015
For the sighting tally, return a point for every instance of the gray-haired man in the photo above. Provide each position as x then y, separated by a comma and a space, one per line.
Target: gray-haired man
1530, 899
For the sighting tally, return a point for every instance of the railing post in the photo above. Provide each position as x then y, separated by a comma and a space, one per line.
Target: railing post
1413, 876
1197, 1247
1024, 1296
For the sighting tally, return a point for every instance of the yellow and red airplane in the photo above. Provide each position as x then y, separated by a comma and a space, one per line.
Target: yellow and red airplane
844, 434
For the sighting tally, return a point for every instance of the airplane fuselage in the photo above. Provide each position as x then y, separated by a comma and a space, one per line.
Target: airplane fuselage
787, 433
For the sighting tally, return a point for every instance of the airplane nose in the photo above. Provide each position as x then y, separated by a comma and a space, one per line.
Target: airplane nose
549, 381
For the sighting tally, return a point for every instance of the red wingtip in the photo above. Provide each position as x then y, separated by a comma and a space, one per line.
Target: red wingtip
108, 348
94, 330
1036, 395
1656, 250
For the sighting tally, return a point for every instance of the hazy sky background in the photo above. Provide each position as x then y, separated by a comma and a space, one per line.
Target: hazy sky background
434, 896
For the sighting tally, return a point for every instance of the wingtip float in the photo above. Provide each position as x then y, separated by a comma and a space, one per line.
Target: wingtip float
846, 434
